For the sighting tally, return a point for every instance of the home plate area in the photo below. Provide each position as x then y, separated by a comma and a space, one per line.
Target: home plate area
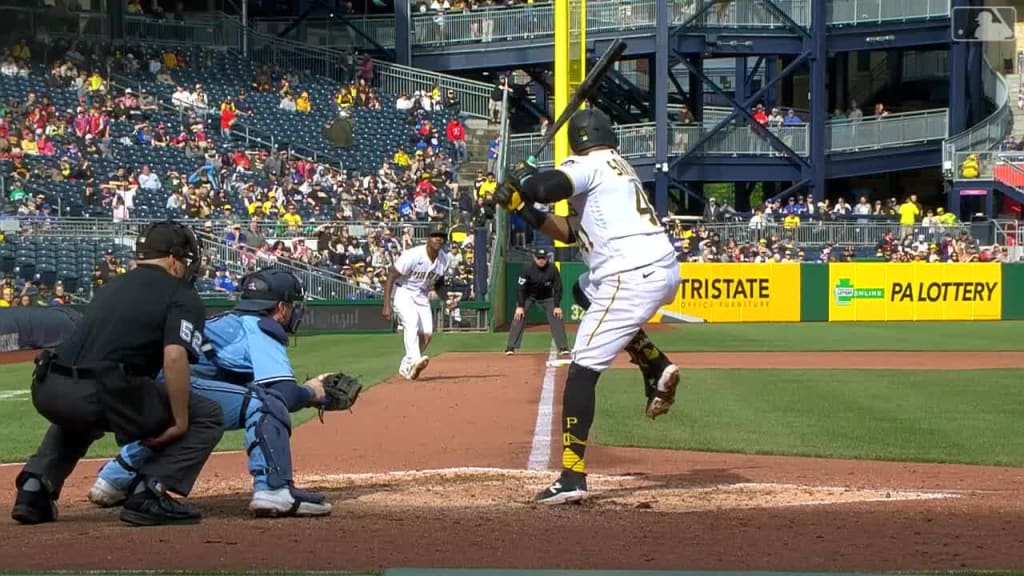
493, 488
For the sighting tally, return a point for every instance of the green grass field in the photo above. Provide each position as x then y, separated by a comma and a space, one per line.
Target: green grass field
916, 415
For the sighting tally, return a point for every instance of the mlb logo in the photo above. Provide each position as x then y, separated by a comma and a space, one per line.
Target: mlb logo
983, 23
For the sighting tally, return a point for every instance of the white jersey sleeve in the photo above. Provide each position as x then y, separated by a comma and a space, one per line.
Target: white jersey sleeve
616, 227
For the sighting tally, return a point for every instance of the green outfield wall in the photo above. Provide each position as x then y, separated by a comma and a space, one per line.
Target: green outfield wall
813, 292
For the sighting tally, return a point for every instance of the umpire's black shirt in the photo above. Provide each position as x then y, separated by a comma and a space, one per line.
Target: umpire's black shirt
539, 284
131, 319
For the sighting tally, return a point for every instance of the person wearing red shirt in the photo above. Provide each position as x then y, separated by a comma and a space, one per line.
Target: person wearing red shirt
227, 118
457, 137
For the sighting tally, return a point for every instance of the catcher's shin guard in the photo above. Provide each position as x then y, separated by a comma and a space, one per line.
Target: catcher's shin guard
268, 432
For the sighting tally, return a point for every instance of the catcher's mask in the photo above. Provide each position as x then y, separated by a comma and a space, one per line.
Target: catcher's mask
263, 289
170, 238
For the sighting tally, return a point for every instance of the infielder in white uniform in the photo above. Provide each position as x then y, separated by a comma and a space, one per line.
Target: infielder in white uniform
416, 278
632, 272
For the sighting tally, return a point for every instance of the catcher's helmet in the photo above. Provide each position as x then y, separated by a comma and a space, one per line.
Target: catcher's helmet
591, 128
170, 238
263, 289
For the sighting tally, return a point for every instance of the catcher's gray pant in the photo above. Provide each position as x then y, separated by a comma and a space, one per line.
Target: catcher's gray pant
83, 422
260, 412
515, 331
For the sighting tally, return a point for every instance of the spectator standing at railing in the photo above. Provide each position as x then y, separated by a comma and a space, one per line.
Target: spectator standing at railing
909, 212
863, 207
456, 133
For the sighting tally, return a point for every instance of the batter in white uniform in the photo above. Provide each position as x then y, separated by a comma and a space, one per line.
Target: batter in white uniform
414, 279
632, 273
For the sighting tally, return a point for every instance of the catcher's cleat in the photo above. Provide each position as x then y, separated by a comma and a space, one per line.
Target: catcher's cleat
564, 353
569, 488
153, 506
106, 495
288, 501
419, 367
664, 394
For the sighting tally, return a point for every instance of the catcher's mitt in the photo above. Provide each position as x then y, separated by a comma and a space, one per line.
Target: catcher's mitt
340, 392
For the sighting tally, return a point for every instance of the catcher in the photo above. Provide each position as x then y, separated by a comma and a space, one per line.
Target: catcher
246, 370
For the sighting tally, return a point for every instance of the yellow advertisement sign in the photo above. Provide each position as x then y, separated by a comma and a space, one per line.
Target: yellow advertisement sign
866, 292
736, 292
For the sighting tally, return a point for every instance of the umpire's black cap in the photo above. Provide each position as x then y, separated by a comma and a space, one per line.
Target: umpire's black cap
540, 253
169, 238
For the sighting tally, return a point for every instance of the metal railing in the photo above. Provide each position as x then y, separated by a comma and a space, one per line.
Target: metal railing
320, 284
388, 77
333, 33
1008, 233
738, 140
211, 32
634, 140
853, 12
526, 22
873, 132
742, 14
990, 132
864, 232
216, 227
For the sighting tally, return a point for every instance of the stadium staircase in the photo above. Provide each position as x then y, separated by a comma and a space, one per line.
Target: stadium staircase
320, 283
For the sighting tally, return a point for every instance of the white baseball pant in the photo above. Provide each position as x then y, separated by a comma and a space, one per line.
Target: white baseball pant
620, 305
416, 318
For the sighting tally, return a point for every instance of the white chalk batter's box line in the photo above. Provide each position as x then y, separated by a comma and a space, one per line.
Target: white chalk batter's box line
8, 395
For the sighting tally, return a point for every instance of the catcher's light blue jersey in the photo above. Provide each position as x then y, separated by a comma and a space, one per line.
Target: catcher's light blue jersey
243, 350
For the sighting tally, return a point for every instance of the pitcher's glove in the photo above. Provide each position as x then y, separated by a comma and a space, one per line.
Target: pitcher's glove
340, 393
509, 193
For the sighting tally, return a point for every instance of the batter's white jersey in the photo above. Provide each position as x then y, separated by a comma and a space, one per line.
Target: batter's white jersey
419, 274
616, 227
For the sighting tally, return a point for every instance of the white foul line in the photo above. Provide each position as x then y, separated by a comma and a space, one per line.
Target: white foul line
540, 453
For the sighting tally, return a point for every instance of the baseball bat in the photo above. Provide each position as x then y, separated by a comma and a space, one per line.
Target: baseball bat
583, 92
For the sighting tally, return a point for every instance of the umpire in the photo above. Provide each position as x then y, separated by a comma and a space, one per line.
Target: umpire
540, 283
102, 378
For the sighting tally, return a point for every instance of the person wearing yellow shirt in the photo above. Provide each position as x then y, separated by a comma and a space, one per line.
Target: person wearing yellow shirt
291, 219
95, 82
21, 51
909, 211
401, 158
791, 222
945, 218
345, 100
488, 187
302, 104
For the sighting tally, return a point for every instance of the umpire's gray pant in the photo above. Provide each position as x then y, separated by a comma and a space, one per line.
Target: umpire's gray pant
176, 465
515, 331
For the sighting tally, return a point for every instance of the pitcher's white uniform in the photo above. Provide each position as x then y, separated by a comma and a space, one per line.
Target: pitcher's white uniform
411, 300
632, 267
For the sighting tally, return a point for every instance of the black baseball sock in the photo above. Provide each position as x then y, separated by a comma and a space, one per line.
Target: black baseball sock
578, 402
644, 353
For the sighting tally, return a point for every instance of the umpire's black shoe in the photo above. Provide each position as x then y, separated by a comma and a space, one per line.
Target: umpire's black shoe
33, 505
153, 506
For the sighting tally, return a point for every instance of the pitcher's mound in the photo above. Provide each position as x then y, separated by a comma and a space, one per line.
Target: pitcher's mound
494, 488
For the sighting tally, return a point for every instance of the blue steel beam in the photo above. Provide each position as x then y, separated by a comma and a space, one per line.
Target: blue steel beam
818, 88
661, 62
888, 36
789, 191
513, 54
726, 169
789, 22
736, 44
403, 33
958, 81
744, 109
852, 164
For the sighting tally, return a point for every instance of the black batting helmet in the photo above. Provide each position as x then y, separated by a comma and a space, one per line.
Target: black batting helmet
591, 128
170, 238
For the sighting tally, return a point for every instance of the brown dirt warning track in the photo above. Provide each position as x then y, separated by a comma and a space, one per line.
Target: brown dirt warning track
434, 473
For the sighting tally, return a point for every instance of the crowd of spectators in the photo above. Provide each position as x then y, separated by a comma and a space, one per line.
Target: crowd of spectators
289, 202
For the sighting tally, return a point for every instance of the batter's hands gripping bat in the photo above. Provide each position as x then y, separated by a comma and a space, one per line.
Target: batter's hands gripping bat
583, 92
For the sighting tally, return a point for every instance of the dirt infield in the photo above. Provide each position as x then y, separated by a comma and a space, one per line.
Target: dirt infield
432, 474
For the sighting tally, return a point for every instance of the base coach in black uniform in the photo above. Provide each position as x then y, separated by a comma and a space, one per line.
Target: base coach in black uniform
540, 282
102, 378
